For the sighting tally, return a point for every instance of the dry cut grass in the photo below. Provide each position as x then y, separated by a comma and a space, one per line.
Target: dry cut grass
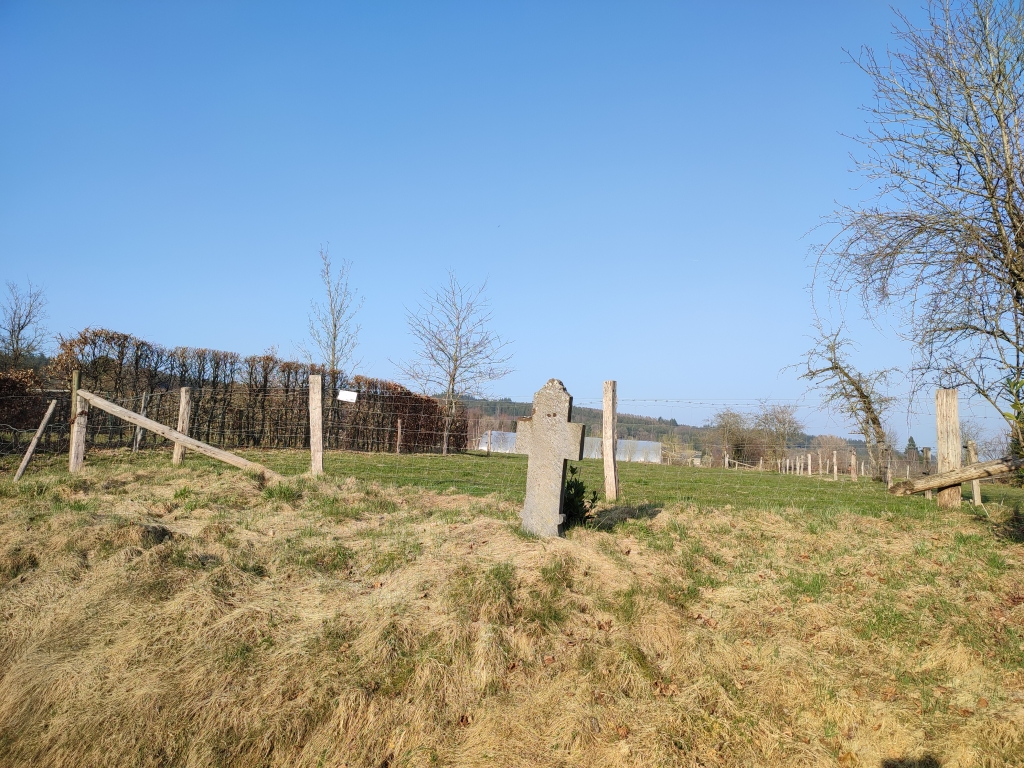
159, 616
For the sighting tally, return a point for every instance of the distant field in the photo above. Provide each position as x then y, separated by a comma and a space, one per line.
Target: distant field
505, 476
393, 614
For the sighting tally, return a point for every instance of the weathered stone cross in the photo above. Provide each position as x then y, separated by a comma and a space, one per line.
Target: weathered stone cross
550, 440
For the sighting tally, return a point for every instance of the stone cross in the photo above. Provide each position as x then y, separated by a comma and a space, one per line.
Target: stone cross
550, 440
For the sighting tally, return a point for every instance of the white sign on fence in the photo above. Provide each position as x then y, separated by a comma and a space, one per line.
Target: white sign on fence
346, 396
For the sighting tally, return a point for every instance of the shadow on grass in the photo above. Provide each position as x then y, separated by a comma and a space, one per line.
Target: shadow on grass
606, 519
928, 761
1012, 529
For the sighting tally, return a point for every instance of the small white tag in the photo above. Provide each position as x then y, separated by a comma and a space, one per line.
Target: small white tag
346, 396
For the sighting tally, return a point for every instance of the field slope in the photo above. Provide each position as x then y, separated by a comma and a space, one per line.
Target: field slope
392, 614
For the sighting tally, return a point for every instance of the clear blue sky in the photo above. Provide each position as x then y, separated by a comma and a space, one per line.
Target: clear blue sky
634, 180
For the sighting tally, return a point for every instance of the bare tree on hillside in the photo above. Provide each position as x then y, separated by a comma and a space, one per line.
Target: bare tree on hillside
332, 329
22, 334
941, 244
457, 354
858, 397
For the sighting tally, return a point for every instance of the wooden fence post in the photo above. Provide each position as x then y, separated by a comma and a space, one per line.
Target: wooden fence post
489, 441
316, 424
398, 442
835, 465
926, 460
972, 458
853, 466
35, 441
609, 429
139, 431
947, 430
184, 416
76, 380
76, 457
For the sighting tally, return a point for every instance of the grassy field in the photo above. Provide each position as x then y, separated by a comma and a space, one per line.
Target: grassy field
393, 614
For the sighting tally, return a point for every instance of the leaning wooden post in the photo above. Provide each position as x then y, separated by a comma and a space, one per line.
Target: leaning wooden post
35, 441
76, 456
316, 424
398, 441
972, 458
139, 431
947, 431
184, 416
609, 427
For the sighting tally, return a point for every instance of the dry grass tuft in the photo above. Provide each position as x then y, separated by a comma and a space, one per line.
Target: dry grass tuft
159, 616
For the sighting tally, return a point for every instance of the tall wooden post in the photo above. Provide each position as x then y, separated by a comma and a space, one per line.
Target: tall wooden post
821, 468
76, 457
316, 424
76, 378
184, 416
947, 431
398, 441
835, 465
972, 458
489, 441
853, 466
609, 428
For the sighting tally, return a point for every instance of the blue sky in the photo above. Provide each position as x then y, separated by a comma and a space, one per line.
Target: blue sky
636, 181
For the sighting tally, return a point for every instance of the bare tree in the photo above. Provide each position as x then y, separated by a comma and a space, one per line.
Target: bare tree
940, 245
457, 352
858, 397
729, 432
778, 426
331, 323
22, 334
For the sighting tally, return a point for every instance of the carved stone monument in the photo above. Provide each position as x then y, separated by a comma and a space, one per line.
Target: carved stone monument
550, 440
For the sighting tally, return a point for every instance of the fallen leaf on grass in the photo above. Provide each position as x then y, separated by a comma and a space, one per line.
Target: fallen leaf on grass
623, 731
549, 660
982, 703
848, 758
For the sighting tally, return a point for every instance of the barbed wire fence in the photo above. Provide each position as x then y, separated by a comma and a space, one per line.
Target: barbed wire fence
389, 438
